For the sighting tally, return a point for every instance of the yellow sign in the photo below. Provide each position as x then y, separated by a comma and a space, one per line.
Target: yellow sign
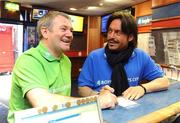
11, 6
77, 23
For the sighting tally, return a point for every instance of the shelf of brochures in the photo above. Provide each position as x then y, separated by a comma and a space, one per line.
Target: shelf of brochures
171, 71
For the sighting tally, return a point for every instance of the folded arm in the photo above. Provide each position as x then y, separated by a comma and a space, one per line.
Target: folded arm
85, 91
41, 97
135, 92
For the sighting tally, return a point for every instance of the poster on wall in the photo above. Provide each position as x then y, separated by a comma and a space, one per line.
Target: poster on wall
143, 41
30, 38
146, 42
167, 43
11, 44
152, 46
6, 48
171, 42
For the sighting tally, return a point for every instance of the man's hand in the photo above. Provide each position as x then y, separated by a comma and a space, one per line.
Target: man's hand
133, 93
107, 87
106, 98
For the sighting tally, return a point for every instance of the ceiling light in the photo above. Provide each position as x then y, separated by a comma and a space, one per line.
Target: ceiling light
91, 7
101, 4
72, 9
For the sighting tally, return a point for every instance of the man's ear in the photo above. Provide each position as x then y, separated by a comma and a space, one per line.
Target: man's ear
44, 32
130, 37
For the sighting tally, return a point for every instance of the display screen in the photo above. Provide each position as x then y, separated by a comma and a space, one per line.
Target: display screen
104, 20
11, 6
38, 13
77, 23
84, 110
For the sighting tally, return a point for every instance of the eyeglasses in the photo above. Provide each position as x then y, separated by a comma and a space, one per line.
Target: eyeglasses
116, 32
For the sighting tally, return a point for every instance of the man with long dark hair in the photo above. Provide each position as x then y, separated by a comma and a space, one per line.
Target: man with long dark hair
120, 67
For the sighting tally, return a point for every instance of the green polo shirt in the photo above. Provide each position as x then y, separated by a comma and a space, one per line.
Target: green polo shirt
37, 68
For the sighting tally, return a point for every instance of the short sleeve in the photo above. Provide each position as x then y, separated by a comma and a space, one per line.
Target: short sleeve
151, 70
86, 75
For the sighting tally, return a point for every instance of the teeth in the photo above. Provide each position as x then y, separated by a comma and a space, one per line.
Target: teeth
66, 40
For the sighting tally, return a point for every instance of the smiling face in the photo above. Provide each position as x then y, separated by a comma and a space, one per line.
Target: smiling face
58, 37
116, 39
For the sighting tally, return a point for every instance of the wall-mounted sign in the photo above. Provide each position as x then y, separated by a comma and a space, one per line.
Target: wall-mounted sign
144, 20
11, 6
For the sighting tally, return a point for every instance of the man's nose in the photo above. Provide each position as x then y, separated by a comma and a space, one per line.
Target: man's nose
69, 33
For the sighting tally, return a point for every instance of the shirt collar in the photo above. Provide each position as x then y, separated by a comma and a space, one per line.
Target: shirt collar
46, 54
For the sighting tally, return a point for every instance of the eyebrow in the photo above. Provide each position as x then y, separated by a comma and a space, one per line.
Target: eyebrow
66, 27
115, 29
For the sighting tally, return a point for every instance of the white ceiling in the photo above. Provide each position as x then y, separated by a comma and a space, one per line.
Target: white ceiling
81, 5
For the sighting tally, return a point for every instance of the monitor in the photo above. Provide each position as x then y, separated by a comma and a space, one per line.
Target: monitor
104, 20
38, 13
11, 6
77, 23
84, 110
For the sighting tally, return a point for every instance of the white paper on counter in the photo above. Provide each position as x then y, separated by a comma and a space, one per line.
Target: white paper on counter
126, 103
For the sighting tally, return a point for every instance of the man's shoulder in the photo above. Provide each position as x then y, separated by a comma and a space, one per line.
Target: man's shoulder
140, 55
140, 52
27, 55
97, 51
32, 51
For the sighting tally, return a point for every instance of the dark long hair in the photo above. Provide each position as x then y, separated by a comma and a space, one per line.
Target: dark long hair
128, 24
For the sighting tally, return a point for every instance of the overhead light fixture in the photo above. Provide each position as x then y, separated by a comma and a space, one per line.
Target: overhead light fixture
101, 4
72, 9
91, 7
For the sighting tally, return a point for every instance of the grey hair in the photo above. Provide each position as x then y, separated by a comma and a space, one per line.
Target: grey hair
47, 21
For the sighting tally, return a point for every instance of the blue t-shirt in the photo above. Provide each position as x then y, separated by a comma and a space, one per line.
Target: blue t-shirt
96, 71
